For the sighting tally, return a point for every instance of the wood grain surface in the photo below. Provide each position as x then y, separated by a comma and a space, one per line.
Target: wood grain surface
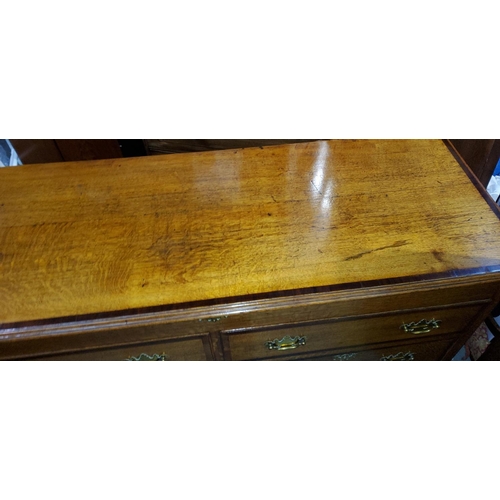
113, 235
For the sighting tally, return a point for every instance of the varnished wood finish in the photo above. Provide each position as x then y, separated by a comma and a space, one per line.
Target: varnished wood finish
132, 233
192, 349
420, 351
245, 344
105, 254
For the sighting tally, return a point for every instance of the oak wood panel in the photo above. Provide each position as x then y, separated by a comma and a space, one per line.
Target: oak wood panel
133, 233
193, 349
26, 342
244, 344
422, 351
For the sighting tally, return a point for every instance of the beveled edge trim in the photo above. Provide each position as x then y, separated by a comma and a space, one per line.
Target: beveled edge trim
222, 304
196, 311
472, 176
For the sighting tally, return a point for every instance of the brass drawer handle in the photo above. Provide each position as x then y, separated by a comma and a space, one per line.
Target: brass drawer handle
400, 356
285, 343
344, 357
147, 357
422, 326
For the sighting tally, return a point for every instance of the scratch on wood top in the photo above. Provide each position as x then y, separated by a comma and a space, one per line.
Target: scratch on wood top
394, 245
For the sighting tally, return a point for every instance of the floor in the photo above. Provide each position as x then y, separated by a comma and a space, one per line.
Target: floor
476, 345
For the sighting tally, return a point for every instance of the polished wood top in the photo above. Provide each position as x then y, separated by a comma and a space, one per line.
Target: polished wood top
82, 238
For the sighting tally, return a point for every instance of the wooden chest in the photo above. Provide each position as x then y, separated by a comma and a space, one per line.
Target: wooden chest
331, 250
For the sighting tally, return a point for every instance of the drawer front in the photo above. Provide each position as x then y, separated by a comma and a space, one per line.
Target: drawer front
422, 351
305, 338
106, 336
355, 303
193, 349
